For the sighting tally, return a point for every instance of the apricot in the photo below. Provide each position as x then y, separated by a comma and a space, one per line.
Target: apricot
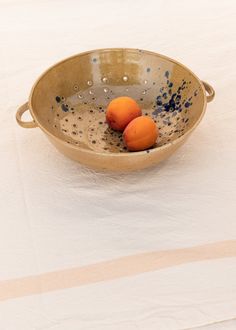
121, 111
140, 134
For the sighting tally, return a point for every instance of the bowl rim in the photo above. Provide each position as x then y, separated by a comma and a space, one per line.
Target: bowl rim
117, 154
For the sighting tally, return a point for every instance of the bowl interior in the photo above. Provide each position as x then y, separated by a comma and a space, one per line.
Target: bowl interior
70, 99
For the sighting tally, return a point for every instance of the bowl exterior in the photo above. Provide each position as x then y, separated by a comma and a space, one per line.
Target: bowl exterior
118, 162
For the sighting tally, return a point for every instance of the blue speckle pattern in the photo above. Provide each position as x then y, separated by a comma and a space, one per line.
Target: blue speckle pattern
170, 100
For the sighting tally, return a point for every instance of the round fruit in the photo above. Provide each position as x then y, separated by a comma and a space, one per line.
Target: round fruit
121, 111
140, 134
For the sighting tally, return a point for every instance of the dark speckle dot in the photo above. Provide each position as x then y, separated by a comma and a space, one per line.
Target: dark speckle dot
154, 83
91, 111
94, 60
93, 141
64, 108
187, 104
58, 99
141, 99
148, 151
170, 84
58, 115
125, 148
80, 132
73, 132
186, 120
100, 122
169, 124
100, 108
74, 125
79, 118
72, 108
85, 102
167, 74
66, 120
178, 97
165, 95
148, 69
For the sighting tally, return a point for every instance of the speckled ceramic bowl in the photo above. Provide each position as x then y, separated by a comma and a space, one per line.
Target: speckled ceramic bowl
68, 102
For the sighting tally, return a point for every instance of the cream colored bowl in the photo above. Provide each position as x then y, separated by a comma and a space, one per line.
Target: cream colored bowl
69, 100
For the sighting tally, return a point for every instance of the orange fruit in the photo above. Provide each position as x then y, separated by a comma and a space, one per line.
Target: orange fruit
140, 134
121, 111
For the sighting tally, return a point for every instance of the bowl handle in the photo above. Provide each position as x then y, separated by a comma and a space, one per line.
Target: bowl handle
19, 113
210, 91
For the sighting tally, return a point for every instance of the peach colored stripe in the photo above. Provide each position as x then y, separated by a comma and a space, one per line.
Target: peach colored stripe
113, 269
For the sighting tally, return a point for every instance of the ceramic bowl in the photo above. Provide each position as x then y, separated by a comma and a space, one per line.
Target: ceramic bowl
69, 100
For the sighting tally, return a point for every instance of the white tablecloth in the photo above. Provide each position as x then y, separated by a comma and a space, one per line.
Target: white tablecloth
60, 221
